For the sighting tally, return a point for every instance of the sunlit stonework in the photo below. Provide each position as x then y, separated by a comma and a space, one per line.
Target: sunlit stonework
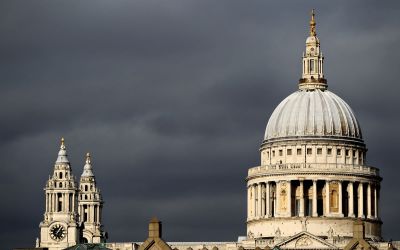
313, 175
72, 212
312, 190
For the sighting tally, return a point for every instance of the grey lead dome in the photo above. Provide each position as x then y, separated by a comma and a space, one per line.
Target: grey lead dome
317, 113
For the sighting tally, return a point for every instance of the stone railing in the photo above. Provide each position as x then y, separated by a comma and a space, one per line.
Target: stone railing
311, 167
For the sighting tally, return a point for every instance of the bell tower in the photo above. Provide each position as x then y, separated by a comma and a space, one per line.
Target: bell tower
60, 228
90, 206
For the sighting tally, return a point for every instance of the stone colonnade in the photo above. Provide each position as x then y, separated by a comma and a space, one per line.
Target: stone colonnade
60, 202
314, 198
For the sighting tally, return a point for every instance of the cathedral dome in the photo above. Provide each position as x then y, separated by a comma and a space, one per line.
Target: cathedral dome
314, 114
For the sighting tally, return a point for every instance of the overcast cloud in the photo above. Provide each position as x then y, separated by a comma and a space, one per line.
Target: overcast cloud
172, 98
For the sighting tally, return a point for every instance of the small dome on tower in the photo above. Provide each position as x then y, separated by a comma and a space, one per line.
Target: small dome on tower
87, 169
62, 154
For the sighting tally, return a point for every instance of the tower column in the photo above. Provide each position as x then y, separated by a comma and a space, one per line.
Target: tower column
53, 200
351, 199
314, 201
369, 202
98, 214
301, 212
360, 200
47, 202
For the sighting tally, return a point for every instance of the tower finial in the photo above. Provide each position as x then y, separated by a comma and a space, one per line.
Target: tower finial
88, 158
62, 143
312, 24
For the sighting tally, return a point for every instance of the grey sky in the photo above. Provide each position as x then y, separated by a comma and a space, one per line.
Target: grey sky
172, 98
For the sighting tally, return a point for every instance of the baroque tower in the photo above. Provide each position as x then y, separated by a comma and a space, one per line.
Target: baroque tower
90, 206
313, 180
60, 226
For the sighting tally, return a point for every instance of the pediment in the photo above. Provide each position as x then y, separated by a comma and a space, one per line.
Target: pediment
305, 240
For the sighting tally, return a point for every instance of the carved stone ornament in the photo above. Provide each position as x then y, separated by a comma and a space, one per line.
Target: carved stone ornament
278, 232
250, 235
304, 224
330, 233
303, 242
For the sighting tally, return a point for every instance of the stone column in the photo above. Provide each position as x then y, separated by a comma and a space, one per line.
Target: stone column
248, 202
98, 213
54, 202
267, 200
360, 200
73, 202
47, 202
376, 202
50, 202
69, 195
254, 201
340, 203
327, 199
314, 202
289, 197
259, 208
369, 202
351, 199
263, 200
301, 212
277, 198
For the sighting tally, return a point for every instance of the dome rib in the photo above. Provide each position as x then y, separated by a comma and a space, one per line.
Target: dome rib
315, 113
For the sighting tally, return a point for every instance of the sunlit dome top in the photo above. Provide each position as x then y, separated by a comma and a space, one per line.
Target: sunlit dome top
318, 113
313, 111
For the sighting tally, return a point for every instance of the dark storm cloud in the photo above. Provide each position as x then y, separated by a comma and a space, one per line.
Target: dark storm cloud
172, 98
